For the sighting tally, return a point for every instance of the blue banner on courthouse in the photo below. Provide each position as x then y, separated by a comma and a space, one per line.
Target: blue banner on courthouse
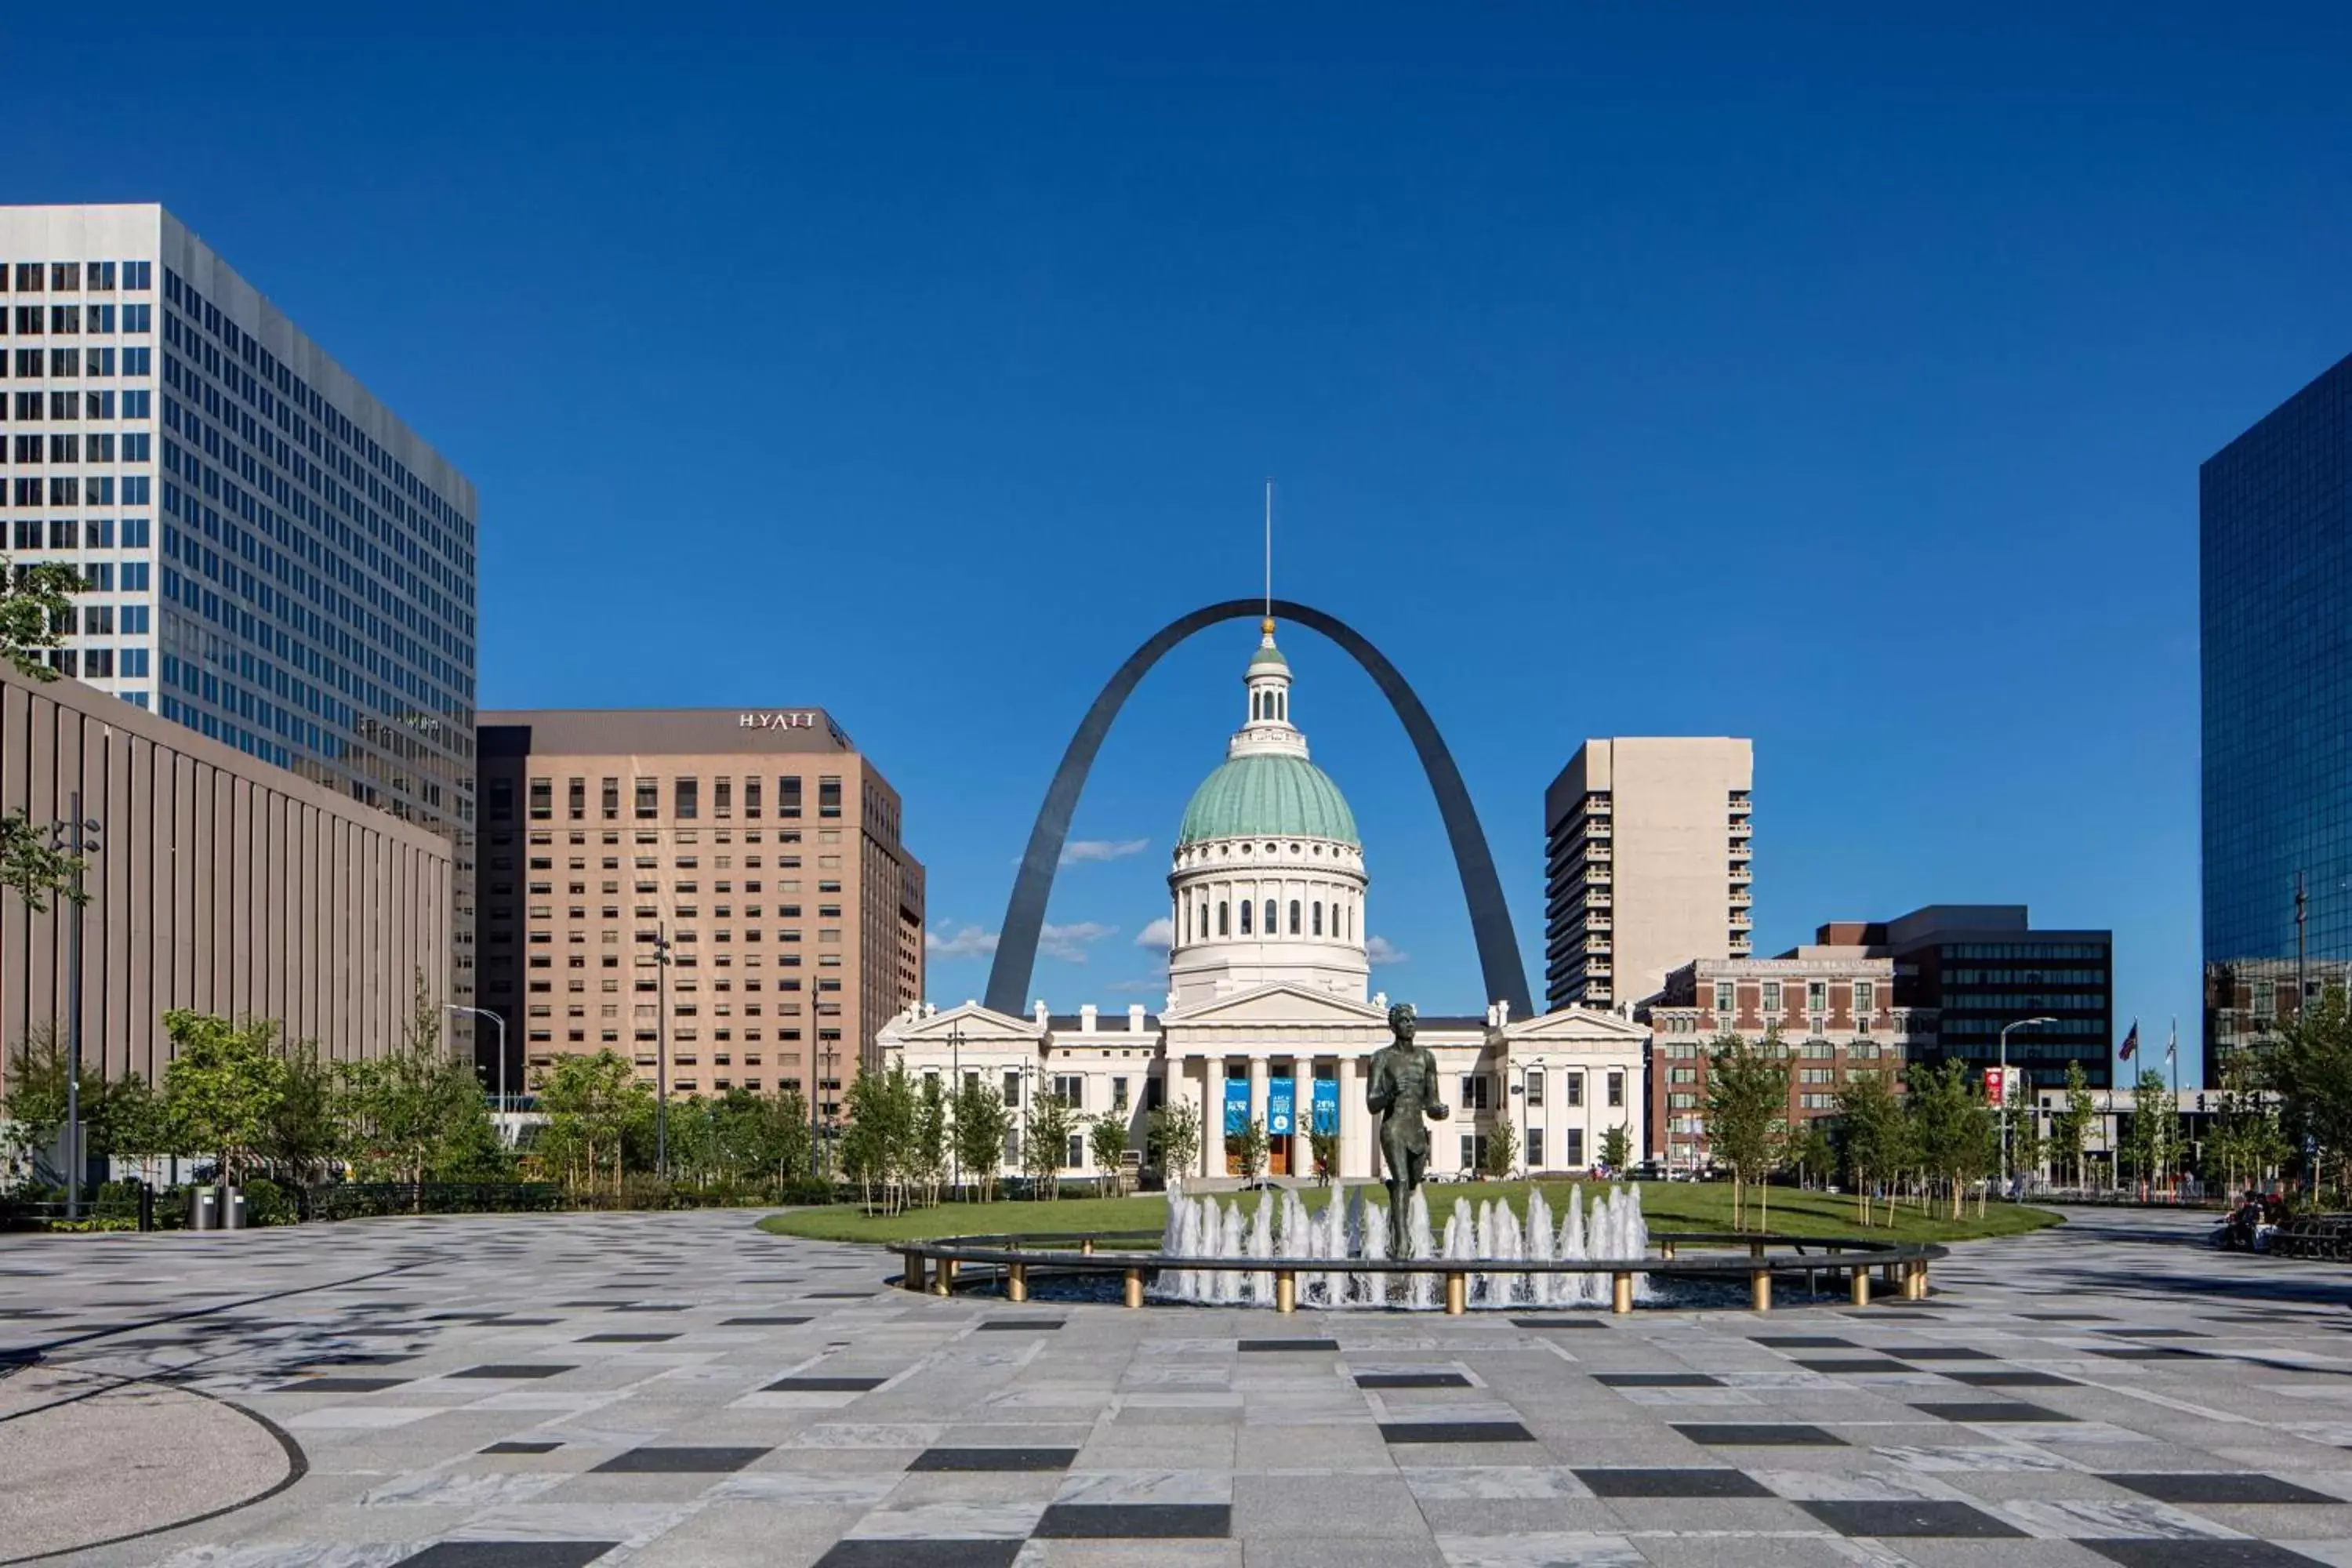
1281, 1096
1236, 1106
1326, 1105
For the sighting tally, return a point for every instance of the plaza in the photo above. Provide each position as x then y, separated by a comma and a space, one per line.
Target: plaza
682, 1388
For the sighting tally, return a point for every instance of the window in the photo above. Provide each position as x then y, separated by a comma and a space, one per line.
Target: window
1866, 998
1070, 1089
688, 793
1817, 996
1319, 917
648, 797
1771, 996
1221, 921
1574, 1082
1012, 1089
828, 795
541, 807
1575, 1159
1616, 1088
1294, 917
1722, 999
788, 797
1246, 907
1074, 1151
1535, 1149
1474, 1092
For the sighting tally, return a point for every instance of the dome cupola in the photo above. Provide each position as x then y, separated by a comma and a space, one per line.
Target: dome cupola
1268, 880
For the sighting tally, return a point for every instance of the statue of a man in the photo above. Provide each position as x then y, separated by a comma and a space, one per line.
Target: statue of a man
1403, 1091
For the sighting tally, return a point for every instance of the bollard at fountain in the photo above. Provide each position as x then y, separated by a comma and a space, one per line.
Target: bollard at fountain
1457, 1294
912, 1279
1133, 1295
1760, 1289
1621, 1293
1285, 1291
1016, 1282
943, 1277
1858, 1284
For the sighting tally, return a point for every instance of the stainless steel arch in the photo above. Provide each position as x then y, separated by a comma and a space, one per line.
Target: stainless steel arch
1490, 917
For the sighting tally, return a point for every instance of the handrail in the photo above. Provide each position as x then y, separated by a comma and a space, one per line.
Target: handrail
931, 1264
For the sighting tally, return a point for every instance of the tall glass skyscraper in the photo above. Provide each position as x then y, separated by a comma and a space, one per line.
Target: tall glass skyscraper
271, 558
2276, 593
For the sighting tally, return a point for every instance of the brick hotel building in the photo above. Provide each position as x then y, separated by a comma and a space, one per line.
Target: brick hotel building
762, 844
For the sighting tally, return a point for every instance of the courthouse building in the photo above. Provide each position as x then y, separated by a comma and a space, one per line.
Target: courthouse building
1268, 1016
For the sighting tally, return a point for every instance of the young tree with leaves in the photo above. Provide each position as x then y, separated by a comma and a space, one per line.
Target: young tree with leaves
1107, 1136
982, 1122
35, 606
1747, 1113
1617, 1149
1876, 1137
222, 1087
1172, 1137
1951, 1127
1046, 1144
1498, 1152
592, 1104
2070, 1129
1250, 1148
417, 1113
2309, 1064
1810, 1152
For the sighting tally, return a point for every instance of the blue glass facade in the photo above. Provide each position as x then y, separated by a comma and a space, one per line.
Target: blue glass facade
2275, 610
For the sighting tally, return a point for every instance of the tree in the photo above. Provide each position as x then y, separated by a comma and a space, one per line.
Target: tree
1747, 1113
1495, 1157
417, 1113
2309, 1064
880, 1147
1173, 1136
1810, 1151
760, 1139
36, 1100
222, 1086
35, 608
2070, 1129
1250, 1147
1877, 1138
2027, 1146
1617, 1148
2245, 1140
591, 1102
302, 1132
1046, 1146
983, 1120
1107, 1135
1951, 1128
2154, 1127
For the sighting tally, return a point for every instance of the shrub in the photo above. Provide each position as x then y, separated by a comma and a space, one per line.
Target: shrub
267, 1203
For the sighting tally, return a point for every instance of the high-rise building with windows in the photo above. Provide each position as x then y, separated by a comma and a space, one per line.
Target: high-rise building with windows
1647, 864
271, 558
760, 847
2274, 586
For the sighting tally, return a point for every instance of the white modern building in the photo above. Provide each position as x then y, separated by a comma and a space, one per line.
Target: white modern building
1268, 1017
1648, 864
271, 558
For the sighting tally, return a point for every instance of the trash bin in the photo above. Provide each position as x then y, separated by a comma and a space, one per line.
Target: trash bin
203, 1208
232, 1208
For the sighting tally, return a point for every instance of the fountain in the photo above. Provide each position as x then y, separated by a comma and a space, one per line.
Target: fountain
1492, 1235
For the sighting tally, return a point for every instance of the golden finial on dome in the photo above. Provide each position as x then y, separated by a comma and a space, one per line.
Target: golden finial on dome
1266, 626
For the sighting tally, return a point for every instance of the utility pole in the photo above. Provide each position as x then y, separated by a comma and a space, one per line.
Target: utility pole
82, 839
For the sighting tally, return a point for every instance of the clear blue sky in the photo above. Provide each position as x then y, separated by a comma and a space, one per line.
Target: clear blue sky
1836, 377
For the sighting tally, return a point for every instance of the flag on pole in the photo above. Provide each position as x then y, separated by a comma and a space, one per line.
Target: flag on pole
2131, 1042
2172, 1045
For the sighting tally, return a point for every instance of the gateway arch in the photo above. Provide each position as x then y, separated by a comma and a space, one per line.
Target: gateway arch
1490, 917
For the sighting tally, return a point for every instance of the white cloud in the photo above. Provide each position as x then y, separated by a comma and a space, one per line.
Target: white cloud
1161, 933
1380, 950
1069, 942
1080, 849
969, 942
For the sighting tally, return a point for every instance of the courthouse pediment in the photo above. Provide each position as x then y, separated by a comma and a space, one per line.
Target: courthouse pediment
1279, 1004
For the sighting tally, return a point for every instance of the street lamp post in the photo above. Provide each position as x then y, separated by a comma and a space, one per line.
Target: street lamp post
500, 1020
80, 839
661, 1049
2005, 1108
955, 1078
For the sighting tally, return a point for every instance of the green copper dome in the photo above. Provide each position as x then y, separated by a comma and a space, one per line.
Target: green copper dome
1268, 797
1268, 657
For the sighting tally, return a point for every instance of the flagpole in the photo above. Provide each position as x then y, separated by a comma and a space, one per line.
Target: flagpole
2172, 1060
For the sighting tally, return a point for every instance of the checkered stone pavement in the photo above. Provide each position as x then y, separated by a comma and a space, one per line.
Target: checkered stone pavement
659, 1389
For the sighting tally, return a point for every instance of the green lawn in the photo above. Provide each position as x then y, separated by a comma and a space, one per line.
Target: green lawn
1668, 1206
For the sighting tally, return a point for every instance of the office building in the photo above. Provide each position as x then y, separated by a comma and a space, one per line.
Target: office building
762, 846
272, 559
1983, 966
2274, 584
1647, 864
220, 883
1832, 1007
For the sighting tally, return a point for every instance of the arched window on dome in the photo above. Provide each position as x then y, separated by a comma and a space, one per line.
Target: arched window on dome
1220, 921
1319, 917
1282, 705
1294, 917
1246, 907
1271, 929
1188, 922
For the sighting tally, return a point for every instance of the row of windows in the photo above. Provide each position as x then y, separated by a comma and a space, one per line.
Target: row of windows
72, 447
101, 663
1342, 919
72, 321
79, 276
685, 798
138, 403
2042, 950
81, 533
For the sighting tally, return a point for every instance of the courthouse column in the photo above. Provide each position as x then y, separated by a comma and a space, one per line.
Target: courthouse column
1213, 1116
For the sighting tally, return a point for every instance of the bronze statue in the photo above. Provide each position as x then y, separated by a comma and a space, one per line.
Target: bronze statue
1403, 1091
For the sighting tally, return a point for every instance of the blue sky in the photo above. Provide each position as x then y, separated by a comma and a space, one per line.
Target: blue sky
1831, 375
